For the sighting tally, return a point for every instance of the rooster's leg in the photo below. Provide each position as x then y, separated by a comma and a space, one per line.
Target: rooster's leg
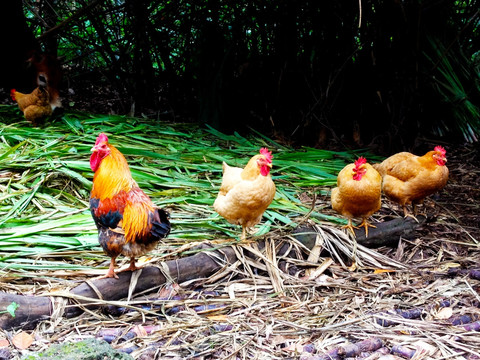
366, 225
350, 227
111, 270
132, 266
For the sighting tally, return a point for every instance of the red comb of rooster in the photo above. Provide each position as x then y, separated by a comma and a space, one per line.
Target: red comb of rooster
12, 93
360, 161
440, 149
101, 138
267, 154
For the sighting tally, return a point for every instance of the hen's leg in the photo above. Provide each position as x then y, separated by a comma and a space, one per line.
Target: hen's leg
244, 233
415, 209
407, 214
350, 227
366, 225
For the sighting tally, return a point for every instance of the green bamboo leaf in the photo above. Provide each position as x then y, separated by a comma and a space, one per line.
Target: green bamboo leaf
179, 166
11, 150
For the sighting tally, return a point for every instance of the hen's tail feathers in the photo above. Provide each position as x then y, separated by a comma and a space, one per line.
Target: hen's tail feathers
224, 167
161, 227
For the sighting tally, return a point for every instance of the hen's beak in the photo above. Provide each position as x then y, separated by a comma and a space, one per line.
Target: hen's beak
440, 157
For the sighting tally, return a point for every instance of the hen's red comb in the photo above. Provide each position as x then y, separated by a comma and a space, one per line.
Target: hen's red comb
440, 149
101, 138
360, 161
267, 154
12, 93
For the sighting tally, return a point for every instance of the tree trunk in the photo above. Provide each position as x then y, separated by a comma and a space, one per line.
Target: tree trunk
18, 43
143, 74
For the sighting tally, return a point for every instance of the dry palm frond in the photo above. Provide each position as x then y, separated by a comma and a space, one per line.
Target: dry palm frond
342, 245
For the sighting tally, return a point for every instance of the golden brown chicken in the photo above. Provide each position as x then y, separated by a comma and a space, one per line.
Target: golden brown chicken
246, 193
48, 71
409, 179
35, 106
358, 193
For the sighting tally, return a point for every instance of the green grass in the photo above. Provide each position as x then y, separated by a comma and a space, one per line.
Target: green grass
458, 85
45, 180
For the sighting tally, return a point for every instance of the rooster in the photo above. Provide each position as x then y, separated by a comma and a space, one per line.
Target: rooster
246, 193
358, 193
35, 106
128, 223
409, 179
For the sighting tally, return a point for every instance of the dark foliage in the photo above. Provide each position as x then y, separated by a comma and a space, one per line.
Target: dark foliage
360, 73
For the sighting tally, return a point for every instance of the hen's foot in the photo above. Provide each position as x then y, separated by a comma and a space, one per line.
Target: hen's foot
406, 214
366, 225
350, 227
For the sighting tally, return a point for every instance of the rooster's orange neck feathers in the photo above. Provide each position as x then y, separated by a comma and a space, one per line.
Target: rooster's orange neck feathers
112, 176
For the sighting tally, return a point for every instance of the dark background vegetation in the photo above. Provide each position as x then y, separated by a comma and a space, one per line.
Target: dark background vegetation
358, 73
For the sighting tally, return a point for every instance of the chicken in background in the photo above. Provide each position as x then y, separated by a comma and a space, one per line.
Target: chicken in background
246, 193
45, 98
358, 193
48, 70
409, 179
128, 222
35, 106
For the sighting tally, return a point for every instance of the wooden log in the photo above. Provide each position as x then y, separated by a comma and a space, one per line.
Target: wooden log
33, 309
385, 234
192, 267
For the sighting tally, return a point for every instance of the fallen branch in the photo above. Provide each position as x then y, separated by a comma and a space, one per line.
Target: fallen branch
32, 309
384, 234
